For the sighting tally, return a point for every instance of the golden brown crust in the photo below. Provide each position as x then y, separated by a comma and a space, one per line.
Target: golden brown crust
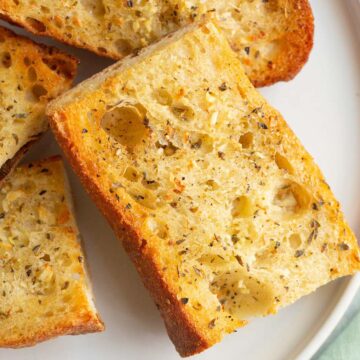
181, 330
90, 325
296, 43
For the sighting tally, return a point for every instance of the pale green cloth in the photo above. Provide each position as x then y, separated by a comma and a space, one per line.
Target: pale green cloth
344, 343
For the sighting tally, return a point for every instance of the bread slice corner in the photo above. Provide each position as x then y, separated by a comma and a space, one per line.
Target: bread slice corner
44, 288
224, 213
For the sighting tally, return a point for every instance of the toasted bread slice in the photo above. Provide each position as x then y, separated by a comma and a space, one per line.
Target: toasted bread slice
273, 38
222, 210
30, 75
44, 289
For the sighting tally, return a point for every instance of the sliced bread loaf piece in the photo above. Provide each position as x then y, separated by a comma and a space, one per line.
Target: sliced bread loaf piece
44, 289
30, 75
273, 38
224, 213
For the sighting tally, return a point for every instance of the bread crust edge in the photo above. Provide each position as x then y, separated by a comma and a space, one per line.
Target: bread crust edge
184, 334
90, 325
297, 51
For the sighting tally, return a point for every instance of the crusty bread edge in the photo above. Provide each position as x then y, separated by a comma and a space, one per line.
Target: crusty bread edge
70, 202
90, 323
289, 64
9, 165
299, 44
182, 331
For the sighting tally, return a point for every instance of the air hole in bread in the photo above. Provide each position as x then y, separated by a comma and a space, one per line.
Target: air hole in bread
283, 163
242, 207
94, 7
246, 140
157, 228
295, 241
16, 2
183, 112
240, 295
201, 142
27, 61
32, 75
62, 67
131, 174
36, 25
123, 47
169, 148
292, 198
163, 97
212, 184
38, 91
6, 59
125, 123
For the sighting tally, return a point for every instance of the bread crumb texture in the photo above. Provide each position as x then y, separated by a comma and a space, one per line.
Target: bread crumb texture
30, 75
234, 215
273, 38
43, 285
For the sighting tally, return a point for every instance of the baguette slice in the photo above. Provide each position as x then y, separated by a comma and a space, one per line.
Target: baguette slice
222, 210
273, 38
30, 75
44, 288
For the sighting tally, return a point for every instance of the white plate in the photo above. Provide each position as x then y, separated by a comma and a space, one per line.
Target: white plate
322, 105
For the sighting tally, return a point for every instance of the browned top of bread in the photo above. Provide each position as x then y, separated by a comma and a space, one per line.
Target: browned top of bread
30, 76
44, 289
273, 38
221, 208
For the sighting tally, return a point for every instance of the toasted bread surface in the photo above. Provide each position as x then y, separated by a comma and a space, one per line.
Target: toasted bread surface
224, 213
30, 75
273, 38
44, 288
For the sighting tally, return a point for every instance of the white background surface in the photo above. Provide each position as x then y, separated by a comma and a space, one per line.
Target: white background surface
322, 105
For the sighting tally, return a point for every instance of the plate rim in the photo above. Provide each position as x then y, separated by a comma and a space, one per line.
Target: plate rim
331, 320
